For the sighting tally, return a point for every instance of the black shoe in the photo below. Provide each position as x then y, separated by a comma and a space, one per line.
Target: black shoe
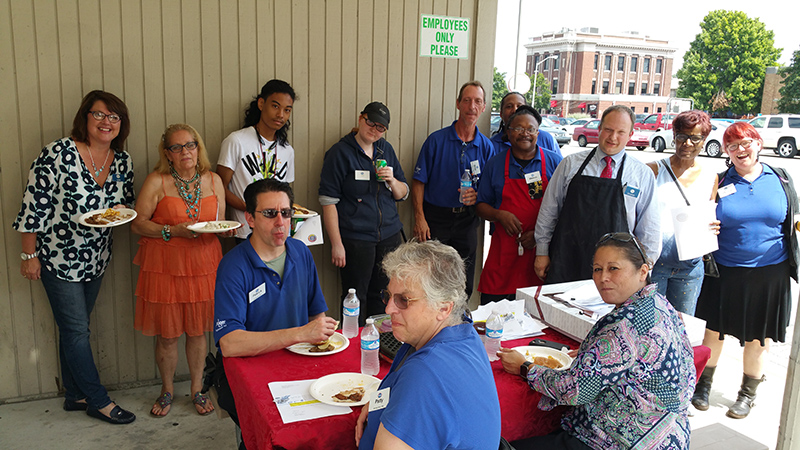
745, 400
703, 388
118, 416
69, 405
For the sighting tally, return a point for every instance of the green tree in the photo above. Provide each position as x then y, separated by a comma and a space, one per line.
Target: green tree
790, 91
726, 62
499, 89
543, 92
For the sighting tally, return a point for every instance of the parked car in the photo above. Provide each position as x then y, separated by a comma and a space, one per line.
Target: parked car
552, 117
655, 122
590, 134
564, 121
577, 123
557, 131
495, 124
664, 139
780, 132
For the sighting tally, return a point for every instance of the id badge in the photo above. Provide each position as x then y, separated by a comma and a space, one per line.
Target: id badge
362, 175
256, 293
726, 190
475, 167
379, 400
117, 177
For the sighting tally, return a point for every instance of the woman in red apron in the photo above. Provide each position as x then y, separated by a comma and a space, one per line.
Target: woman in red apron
510, 195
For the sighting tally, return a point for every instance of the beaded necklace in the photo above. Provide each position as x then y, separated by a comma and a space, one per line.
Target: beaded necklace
94, 166
191, 200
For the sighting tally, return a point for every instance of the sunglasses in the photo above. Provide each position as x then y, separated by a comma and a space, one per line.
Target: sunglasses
399, 301
377, 126
623, 237
286, 213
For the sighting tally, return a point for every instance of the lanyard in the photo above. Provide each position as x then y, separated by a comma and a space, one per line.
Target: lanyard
267, 171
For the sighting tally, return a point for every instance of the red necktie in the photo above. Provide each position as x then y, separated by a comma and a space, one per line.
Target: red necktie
607, 171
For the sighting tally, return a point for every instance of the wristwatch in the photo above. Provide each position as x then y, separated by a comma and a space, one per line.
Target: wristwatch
523, 369
27, 256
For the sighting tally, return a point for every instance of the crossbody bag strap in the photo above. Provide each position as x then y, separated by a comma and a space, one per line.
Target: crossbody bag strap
675, 179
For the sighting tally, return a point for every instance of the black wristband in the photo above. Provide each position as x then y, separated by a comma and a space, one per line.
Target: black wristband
523, 369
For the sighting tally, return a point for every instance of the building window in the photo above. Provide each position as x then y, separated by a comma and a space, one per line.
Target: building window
535, 61
658, 65
634, 62
596, 57
555, 62
555, 84
646, 65
618, 89
656, 88
633, 108
632, 88
607, 66
644, 87
594, 86
659, 109
546, 63
605, 86
646, 109
620, 63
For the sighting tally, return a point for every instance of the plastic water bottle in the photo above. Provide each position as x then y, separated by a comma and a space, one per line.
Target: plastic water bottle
466, 183
350, 314
494, 333
370, 346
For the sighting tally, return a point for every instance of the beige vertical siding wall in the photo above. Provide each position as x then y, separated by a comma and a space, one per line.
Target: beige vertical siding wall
201, 62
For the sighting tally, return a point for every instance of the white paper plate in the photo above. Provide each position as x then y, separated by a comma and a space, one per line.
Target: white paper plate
326, 387
131, 214
529, 352
337, 339
214, 226
305, 216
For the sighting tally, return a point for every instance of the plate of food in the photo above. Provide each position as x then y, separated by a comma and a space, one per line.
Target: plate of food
344, 389
214, 226
335, 344
106, 218
545, 356
299, 212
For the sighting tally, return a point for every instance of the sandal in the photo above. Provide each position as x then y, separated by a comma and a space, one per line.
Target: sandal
202, 401
163, 401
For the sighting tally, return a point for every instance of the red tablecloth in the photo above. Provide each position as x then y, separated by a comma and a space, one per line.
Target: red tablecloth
262, 427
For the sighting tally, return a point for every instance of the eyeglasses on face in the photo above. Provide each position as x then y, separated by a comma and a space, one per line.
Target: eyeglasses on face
177, 148
269, 213
744, 143
400, 301
99, 116
696, 139
623, 237
521, 130
377, 126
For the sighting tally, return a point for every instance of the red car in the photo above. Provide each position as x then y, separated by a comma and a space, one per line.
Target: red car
589, 134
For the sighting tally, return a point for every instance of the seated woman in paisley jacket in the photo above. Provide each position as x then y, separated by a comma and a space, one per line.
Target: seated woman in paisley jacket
632, 378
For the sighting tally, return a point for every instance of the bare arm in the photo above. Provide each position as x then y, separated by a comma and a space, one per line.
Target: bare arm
146, 204
331, 216
225, 173
252, 343
421, 230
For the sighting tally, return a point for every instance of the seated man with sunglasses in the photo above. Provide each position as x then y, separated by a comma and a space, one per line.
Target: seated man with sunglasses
268, 294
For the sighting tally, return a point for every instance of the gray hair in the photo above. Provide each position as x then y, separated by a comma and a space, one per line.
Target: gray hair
619, 108
436, 268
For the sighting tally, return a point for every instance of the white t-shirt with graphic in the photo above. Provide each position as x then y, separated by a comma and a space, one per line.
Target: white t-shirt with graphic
242, 152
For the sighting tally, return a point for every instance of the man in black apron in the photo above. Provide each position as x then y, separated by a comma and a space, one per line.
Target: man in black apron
596, 192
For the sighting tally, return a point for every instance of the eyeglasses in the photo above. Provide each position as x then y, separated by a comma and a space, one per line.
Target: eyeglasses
399, 301
99, 116
623, 237
377, 126
286, 213
745, 144
177, 148
696, 139
530, 130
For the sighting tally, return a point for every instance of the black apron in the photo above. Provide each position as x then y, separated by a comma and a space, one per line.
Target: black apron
593, 207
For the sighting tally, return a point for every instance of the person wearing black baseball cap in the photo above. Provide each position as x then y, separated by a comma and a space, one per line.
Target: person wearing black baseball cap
360, 182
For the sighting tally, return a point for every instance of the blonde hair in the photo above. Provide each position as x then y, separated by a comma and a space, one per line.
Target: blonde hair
163, 166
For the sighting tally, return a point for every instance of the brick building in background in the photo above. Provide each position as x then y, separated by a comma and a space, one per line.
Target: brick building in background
771, 93
592, 71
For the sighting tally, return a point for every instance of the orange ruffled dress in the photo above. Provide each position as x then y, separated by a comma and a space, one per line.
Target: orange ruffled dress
175, 292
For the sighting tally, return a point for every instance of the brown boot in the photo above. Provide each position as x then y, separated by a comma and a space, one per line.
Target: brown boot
745, 400
700, 397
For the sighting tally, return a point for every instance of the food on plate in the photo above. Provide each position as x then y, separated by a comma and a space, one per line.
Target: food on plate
299, 209
324, 346
216, 226
106, 217
546, 361
349, 396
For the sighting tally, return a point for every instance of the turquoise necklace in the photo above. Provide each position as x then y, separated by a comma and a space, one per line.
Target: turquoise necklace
191, 200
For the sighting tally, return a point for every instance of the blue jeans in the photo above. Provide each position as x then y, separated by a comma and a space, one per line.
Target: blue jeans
72, 304
680, 286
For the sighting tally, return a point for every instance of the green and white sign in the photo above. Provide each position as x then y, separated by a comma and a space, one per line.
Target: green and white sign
444, 37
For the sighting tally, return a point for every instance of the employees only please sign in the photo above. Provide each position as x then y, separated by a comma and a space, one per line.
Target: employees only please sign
444, 37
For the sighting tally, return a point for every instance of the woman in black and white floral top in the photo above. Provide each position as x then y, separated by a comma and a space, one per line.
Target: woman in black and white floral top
83, 172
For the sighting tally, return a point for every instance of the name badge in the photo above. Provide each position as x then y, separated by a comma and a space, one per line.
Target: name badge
118, 177
533, 177
257, 292
631, 191
476, 167
727, 190
362, 175
379, 400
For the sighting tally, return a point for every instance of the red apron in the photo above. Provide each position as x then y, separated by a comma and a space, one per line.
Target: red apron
505, 270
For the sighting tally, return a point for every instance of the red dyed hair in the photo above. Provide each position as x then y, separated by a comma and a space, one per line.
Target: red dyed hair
740, 130
685, 121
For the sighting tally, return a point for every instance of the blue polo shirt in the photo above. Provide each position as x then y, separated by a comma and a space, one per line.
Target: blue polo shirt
442, 161
545, 141
250, 296
491, 188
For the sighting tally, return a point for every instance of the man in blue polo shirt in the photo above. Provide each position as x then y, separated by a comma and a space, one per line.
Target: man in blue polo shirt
268, 294
438, 209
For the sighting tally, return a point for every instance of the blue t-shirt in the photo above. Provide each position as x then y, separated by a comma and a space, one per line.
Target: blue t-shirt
750, 221
545, 141
443, 396
494, 179
442, 161
250, 296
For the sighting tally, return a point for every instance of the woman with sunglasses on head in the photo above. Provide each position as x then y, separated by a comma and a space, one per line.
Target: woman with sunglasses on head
630, 383
259, 150
682, 181
758, 253
358, 204
510, 193
440, 390
178, 267
86, 171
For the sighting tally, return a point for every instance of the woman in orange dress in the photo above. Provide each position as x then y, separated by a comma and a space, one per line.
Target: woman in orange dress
175, 292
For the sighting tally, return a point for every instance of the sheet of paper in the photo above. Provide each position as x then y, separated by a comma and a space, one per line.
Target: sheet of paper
518, 324
692, 234
295, 403
587, 297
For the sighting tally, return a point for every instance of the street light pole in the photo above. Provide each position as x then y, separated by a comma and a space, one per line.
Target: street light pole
535, 71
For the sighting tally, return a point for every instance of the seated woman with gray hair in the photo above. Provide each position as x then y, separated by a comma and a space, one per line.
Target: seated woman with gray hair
440, 390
